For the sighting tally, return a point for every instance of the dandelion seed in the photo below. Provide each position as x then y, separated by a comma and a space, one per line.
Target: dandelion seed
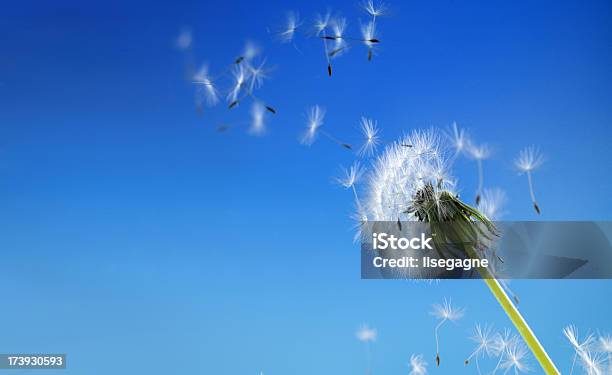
368, 32
479, 153
373, 10
205, 86
184, 40
492, 203
516, 355
270, 109
499, 346
370, 132
458, 140
444, 312
527, 161
484, 344
291, 26
257, 75
321, 25
251, 50
591, 363
338, 27
351, 176
240, 75
367, 335
315, 121
571, 333
258, 125
418, 366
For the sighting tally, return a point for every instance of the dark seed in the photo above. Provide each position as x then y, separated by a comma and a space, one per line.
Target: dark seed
537, 208
270, 109
478, 199
347, 146
232, 104
329, 69
466, 362
239, 60
437, 360
374, 41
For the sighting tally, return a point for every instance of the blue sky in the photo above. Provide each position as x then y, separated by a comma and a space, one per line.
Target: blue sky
137, 239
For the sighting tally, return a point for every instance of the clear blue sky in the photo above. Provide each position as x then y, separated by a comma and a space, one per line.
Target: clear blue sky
138, 240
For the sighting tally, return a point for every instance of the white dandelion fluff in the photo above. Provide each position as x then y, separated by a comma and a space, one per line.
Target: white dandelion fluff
368, 33
571, 333
418, 366
515, 358
351, 176
527, 161
315, 121
257, 74
373, 10
458, 140
205, 86
484, 344
184, 40
258, 111
292, 24
492, 203
338, 26
370, 132
592, 363
404, 169
250, 51
479, 153
240, 75
444, 312
501, 342
367, 335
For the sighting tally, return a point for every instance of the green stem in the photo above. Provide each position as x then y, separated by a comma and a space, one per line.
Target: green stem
521, 325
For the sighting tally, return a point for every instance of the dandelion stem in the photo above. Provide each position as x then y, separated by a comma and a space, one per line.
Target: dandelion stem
573, 363
437, 342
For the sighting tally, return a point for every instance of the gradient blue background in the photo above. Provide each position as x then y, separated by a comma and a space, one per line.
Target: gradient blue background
138, 240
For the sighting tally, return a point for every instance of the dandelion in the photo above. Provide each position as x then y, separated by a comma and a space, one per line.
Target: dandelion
479, 153
258, 125
492, 203
184, 40
373, 10
571, 333
351, 177
367, 335
418, 366
527, 161
499, 346
444, 312
411, 181
291, 26
516, 354
240, 76
206, 86
484, 344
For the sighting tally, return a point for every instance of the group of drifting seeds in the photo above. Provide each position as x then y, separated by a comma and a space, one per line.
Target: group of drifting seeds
593, 354
239, 80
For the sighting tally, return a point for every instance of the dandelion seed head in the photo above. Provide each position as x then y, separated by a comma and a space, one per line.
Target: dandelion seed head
418, 366
529, 159
351, 176
258, 111
315, 121
492, 203
404, 169
366, 334
515, 358
446, 311
373, 10
205, 85
370, 133
184, 40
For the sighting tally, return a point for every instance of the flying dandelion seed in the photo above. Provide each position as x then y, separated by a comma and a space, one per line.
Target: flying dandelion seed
258, 126
257, 74
375, 11
605, 347
184, 40
251, 50
527, 161
370, 133
516, 355
418, 366
479, 153
367, 335
484, 344
499, 346
591, 363
291, 26
368, 32
206, 87
321, 25
351, 177
444, 313
458, 140
315, 121
240, 75
571, 333
492, 203
338, 26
